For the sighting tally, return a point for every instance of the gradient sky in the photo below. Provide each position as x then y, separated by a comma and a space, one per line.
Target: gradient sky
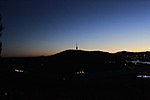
45, 27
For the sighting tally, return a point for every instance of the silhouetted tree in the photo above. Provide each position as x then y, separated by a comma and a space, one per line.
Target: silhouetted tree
1, 28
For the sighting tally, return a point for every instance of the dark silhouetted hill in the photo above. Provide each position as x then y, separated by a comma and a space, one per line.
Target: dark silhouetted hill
67, 63
143, 56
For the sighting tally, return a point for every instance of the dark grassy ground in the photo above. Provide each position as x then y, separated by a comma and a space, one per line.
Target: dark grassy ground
106, 89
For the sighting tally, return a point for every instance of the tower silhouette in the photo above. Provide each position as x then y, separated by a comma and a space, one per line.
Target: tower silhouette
76, 46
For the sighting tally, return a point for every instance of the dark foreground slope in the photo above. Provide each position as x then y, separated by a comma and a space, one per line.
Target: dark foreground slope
66, 64
72, 75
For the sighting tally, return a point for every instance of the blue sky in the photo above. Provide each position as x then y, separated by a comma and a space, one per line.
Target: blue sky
45, 27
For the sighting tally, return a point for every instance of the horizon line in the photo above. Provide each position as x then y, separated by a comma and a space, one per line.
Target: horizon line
71, 49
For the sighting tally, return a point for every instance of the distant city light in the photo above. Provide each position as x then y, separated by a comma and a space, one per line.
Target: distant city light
6, 93
19, 71
143, 76
142, 62
146, 76
81, 72
139, 76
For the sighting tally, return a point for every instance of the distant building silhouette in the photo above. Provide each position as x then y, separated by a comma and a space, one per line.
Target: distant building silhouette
76, 46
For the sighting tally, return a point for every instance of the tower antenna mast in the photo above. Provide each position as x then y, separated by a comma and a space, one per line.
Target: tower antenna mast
77, 46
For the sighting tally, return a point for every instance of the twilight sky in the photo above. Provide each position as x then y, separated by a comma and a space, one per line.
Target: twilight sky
45, 27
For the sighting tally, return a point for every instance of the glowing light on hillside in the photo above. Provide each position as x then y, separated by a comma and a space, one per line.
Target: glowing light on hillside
19, 71
80, 72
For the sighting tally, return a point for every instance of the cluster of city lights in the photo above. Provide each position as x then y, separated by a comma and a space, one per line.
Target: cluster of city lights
80, 72
143, 76
19, 70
